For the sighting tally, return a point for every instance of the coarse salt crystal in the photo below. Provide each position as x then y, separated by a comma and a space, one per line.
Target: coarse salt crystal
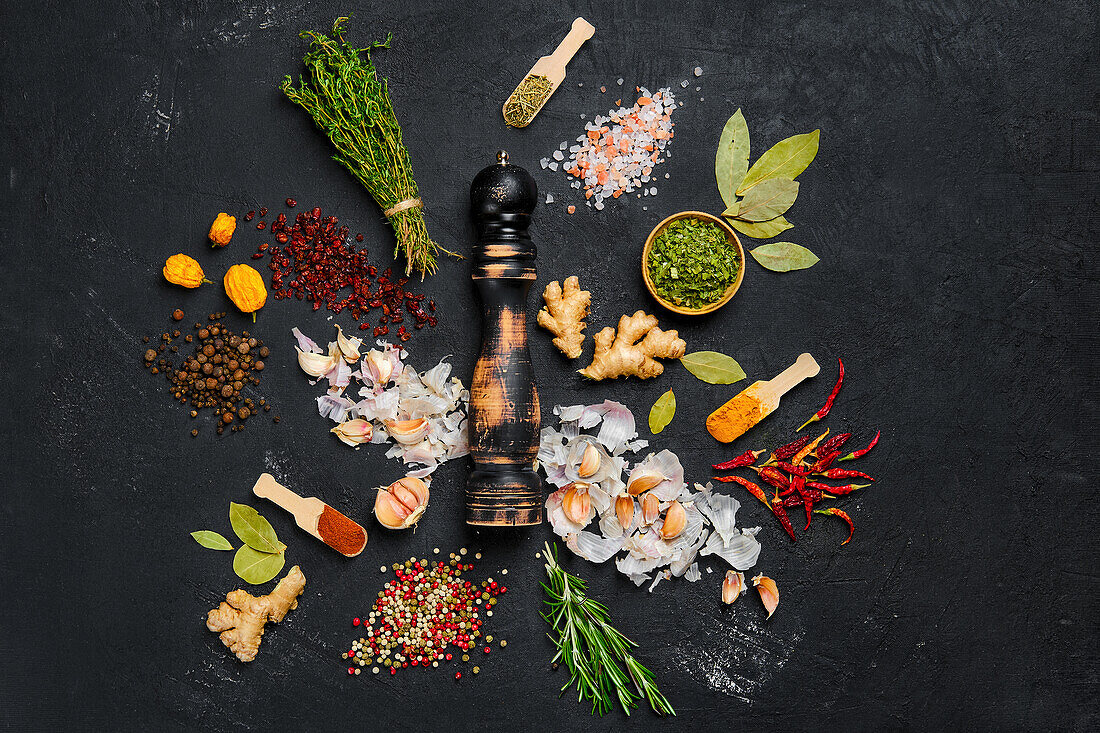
558, 155
619, 81
549, 199
698, 70
684, 83
553, 166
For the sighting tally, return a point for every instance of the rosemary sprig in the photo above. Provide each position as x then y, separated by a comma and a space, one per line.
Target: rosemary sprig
596, 654
351, 105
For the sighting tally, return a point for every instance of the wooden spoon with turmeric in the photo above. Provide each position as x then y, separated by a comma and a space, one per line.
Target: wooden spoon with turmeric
757, 401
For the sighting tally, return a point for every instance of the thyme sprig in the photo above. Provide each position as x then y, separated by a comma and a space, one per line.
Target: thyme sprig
596, 654
351, 105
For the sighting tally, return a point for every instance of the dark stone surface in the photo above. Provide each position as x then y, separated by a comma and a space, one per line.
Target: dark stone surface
953, 206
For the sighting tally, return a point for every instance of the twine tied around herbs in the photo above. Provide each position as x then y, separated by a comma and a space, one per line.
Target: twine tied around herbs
402, 206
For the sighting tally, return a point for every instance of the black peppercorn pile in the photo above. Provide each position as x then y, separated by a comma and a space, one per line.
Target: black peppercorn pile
215, 375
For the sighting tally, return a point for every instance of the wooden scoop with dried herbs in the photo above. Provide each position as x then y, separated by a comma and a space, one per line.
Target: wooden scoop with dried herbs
351, 105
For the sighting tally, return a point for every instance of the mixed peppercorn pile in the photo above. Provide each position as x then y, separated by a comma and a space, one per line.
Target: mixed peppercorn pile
314, 260
215, 374
427, 608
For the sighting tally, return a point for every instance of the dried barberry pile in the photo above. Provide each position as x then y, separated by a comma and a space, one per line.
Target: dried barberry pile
215, 374
314, 260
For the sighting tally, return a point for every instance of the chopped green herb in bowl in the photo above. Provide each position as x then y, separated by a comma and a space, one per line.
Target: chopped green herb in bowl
693, 263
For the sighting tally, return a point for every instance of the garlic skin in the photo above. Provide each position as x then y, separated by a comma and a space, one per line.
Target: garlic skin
348, 345
354, 432
732, 586
316, 365
675, 520
769, 592
408, 432
401, 504
651, 509
378, 366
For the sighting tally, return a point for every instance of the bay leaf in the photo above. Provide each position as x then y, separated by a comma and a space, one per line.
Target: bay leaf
768, 199
731, 162
254, 530
662, 411
761, 229
211, 540
784, 256
257, 567
732, 209
712, 367
786, 159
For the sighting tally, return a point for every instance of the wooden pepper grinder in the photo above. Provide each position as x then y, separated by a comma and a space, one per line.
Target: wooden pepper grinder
503, 489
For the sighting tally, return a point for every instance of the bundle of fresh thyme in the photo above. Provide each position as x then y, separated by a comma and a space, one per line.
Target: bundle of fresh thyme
351, 105
596, 654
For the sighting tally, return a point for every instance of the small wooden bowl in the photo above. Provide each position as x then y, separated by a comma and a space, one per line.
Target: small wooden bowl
732, 235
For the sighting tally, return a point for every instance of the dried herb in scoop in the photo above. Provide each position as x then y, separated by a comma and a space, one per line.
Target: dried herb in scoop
692, 262
351, 105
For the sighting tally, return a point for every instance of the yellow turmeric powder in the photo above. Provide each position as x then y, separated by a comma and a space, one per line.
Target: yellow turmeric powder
732, 419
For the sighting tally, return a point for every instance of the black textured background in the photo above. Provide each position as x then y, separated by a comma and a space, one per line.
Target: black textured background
953, 205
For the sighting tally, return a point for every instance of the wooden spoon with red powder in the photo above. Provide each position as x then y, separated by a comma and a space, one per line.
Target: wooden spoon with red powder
315, 516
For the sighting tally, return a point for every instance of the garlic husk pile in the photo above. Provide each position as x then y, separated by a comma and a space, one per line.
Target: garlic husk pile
424, 415
668, 526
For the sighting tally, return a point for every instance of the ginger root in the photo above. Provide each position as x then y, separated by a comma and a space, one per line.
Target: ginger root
564, 313
619, 355
241, 616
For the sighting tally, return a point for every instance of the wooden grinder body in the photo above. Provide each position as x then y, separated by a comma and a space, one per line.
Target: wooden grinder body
503, 489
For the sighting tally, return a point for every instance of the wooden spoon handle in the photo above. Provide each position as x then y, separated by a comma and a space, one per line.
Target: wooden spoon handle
304, 510
581, 31
804, 367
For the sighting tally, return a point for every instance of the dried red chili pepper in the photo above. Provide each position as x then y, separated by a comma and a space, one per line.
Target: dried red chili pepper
838, 490
829, 402
863, 451
753, 488
807, 449
792, 469
774, 477
781, 515
833, 444
824, 461
778, 511
798, 483
784, 452
815, 496
843, 515
845, 473
745, 459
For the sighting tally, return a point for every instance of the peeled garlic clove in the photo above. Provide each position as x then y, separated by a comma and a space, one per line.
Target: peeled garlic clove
675, 520
769, 593
576, 503
354, 432
651, 508
624, 511
732, 586
378, 366
408, 432
400, 505
590, 461
643, 482
316, 365
349, 346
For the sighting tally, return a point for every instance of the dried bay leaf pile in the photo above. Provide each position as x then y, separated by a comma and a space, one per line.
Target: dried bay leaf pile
757, 197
